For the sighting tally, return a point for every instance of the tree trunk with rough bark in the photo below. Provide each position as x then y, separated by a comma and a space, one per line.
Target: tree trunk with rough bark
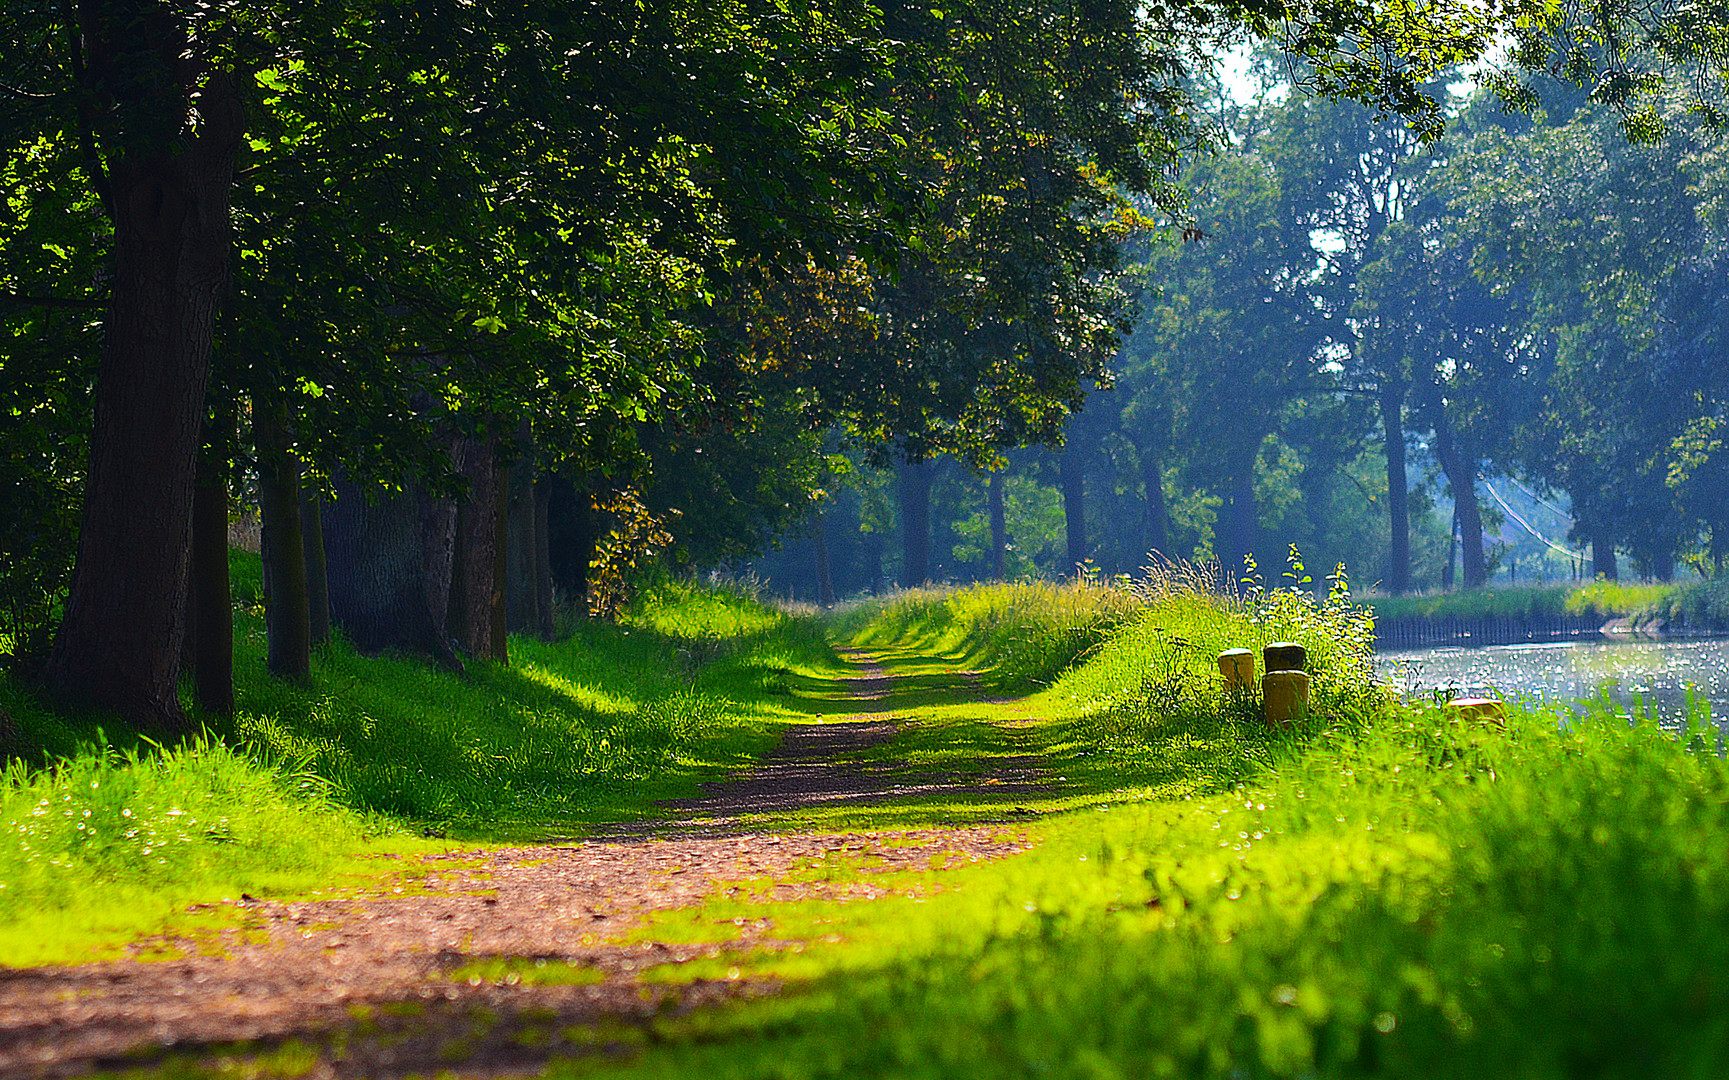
1238, 527
317, 573
1457, 453
210, 607
474, 577
1398, 491
1071, 470
1603, 562
824, 570
1156, 515
999, 528
915, 507
118, 646
389, 562
522, 592
545, 625
288, 618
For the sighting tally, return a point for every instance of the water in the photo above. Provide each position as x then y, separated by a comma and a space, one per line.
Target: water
1659, 673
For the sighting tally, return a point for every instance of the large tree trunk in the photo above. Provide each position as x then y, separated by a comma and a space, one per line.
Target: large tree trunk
1072, 472
824, 568
317, 573
873, 552
915, 500
522, 592
476, 586
543, 595
210, 607
1156, 515
1237, 517
1458, 456
999, 528
118, 647
573, 530
288, 622
1603, 562
389, 561
1398, 491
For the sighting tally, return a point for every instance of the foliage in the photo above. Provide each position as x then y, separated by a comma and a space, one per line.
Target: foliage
637, 536
1693, 607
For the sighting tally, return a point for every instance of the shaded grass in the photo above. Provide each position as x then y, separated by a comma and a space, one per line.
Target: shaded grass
102, 833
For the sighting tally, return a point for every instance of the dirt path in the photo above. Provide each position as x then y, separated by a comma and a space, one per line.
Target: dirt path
429, 974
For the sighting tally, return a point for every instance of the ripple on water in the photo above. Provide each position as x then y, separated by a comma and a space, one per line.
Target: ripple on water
1657, 672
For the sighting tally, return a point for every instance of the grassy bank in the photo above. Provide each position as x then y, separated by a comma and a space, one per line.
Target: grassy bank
1697, 607
1023, 634
1603, 600
102, 835
1384, 891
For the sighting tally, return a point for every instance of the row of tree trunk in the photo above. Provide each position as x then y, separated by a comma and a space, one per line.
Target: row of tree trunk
400, 569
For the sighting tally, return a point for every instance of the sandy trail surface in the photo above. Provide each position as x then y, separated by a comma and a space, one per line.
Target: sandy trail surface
426, 973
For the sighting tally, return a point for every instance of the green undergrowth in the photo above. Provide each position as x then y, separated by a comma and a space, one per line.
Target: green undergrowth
1024, 633
101, 834
109, 843
1700, 607
1599, 599
1384, 890
1423, 897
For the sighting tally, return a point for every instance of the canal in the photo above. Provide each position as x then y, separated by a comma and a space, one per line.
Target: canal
1657, 673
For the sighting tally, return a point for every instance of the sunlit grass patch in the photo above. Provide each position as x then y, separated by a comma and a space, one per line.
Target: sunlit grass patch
101, 841
1025, 633
108, 843
525, 971
1425, 898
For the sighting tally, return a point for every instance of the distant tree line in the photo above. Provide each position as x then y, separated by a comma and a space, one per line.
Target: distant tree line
480, 305
1359, 321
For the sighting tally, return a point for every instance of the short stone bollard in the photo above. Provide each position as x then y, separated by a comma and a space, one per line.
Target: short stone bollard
1476, 708
1285, 696
1238, 668
1285, 656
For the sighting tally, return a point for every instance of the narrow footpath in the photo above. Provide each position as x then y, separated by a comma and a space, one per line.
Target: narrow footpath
496, 961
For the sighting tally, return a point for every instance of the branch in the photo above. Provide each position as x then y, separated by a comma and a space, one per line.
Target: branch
17, 93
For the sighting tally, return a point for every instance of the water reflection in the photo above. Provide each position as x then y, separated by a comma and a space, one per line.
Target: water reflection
1657, 672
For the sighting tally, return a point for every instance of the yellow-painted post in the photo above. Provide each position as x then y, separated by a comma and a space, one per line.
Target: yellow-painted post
1285, 695
1285, 656
1475, 708
1238, 668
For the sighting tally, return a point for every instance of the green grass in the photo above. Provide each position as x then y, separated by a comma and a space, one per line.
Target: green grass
102, 835
1025, 633
1597, 599
1420, 900
1695, 607
1382, 892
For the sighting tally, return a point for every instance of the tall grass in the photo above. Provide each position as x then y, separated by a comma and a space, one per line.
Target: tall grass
109, 841
1025, 633
1598, 599
1700, 607
1410, 894
103, 829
